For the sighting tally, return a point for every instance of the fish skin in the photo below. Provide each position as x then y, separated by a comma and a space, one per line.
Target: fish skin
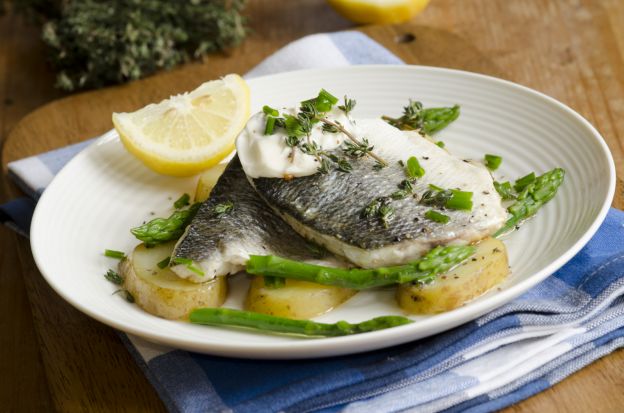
221, 245
327, 208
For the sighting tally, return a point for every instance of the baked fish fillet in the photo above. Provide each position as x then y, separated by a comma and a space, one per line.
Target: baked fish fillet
327, 208
220, 244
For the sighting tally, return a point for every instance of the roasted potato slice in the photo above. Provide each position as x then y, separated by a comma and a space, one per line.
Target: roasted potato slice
295, 299
207, 180
159, 291
487, 268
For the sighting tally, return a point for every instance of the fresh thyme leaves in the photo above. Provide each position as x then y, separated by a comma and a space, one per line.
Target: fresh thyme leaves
348, 105
223, 208
357, 150
164, 263
114, 277
93, 43
329, 128
114, 254
379, 166
504, 189
183, 201
379, 208
426, 121
413, 168
292, 141
311, 112
437, 216
405, 189
189, 264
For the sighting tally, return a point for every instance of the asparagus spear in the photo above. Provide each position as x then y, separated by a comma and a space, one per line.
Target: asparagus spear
238, 318
435, 262
531, 198
429, 120
161, 230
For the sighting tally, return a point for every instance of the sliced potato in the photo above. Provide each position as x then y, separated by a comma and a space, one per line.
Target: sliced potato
161, 292
487, 268
207, 180
296, 299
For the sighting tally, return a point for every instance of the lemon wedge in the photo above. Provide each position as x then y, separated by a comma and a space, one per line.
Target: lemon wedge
378, 11
190, 132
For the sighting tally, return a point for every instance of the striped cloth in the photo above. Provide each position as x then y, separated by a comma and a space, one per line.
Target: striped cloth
571, 319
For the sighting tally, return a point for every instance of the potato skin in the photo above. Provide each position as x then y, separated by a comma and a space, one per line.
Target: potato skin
161, 292
296, 299
488, 268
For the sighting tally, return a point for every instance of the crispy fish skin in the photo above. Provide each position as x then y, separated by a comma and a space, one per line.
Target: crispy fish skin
327, 208
221, 244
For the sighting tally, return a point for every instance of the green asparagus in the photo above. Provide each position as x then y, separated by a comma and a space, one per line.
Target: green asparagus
533, 195
264, 322
161, 230
428, 121
435, 262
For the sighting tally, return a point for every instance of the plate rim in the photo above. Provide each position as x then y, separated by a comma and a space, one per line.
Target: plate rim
326, 347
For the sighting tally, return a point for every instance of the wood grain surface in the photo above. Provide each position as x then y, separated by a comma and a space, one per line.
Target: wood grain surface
54, 358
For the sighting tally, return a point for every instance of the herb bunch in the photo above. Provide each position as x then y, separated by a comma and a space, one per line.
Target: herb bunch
424, 120
93, 43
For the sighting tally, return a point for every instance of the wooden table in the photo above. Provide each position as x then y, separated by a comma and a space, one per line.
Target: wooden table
53, 357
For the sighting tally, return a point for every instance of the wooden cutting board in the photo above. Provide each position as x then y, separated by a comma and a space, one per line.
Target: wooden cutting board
87, 367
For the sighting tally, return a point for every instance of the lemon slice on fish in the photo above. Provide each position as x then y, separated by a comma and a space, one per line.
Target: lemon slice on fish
190, 132
378, 11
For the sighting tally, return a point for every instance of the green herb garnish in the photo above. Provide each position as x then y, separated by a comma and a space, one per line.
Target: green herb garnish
114, 277
437, 216
164, 263
223, 208
379, 208
460, 200
126, 295
189, 264
114, 254
413, 168
357, 150
441, 144
183, 201
348, 105
493, 161
274, 282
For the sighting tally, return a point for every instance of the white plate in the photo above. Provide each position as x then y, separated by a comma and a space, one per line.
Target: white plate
104, 191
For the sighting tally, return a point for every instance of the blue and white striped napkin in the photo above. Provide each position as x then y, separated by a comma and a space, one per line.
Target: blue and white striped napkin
571, 319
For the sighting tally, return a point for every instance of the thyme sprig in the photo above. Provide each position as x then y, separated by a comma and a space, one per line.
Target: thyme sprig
379, 208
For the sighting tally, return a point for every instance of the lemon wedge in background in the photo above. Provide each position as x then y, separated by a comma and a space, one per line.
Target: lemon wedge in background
378, 11
187, 133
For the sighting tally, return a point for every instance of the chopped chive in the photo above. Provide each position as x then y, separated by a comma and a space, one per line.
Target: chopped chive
164, 263
114, 254
493, 161
504, 189
524, 182
440, 144
112, 276
461, 200
270, 125
437, 217
183, 201
274, 282
435, 187
413, 168
190, 265
269, 111
323, 94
